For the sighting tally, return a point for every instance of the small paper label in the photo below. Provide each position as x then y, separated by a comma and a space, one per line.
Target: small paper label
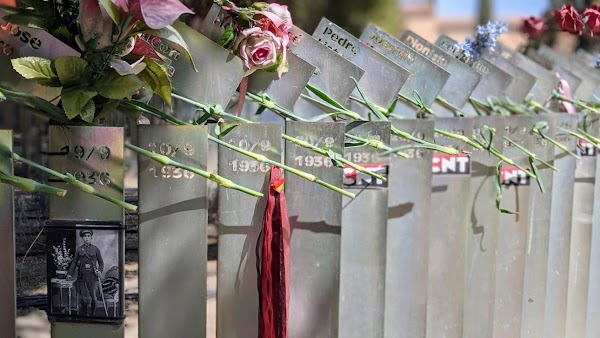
451, 164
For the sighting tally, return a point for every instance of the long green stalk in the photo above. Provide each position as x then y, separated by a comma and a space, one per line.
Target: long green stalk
30, 185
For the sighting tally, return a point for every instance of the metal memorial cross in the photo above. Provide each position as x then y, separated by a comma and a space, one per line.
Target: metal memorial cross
546, 81
315, 215
8, 289
482, 232
582, 221
332, 74
538, 232
17, 41
522, 83
494, 81
560, 229
462, 81
407, 247
240, 221
382, 79
173, 219
589, 82
364, 224
449, 218
426, 80
522, 252
93, 155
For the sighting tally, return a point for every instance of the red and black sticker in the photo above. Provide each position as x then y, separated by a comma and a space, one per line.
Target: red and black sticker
355, 178
586, 149
451, 164
514, 176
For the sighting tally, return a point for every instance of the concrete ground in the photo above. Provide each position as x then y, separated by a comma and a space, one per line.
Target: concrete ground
34, 323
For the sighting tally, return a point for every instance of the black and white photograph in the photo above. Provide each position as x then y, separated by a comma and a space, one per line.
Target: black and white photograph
84, 273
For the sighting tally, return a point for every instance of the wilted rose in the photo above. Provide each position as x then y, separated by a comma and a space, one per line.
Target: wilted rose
569, 20
259, 49
156, 14
534, 27
592, 16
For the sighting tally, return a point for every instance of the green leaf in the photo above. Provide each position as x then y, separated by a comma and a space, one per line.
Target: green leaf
88, 112
226, 38
27, 18
538, 179
32, 67
171, 33
324, 97
158, 79
392, 106
72, 70
74, 101
260, 110
223, 132
334, 158
113, 11
114, 86
46, 108
63, 34
202, 119
111, 105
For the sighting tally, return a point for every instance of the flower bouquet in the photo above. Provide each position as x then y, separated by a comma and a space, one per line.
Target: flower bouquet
62, 258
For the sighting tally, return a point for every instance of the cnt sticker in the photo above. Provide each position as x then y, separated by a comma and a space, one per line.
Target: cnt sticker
586, 149
451, 164
355, 178
514, 176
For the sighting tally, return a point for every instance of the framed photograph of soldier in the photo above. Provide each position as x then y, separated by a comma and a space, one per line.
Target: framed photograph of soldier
85, 273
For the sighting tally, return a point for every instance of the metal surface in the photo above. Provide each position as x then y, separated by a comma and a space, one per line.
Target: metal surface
408, 235
315, 218
94, 155
462, 81
522, 83
382, 79
172, 233
581, 233
362, 266
593, 296
367, 156
7, 244
68, 330
17, 41
240, 218
560, 231
332, 74
287, 90
211, 24
219, 71
426, 78
546, 81
538, 232
449, 221
494, 81
364, 224
482, 234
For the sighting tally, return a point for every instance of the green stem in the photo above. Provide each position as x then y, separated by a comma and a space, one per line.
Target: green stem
530, 154
460, 138
164, 160
555, 143
70, 179
30, 185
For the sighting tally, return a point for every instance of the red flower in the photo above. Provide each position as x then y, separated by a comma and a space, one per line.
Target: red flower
569, 20
592, 15
534, 27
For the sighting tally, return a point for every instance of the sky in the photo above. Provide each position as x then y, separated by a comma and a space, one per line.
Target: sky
502, 8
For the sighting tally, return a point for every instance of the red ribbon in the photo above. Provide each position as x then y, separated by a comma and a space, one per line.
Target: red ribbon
275, 262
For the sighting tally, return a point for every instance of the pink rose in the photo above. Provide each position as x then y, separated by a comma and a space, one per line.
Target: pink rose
279, 15
569, 20
156, 14
593, 19
534, 27
259, 50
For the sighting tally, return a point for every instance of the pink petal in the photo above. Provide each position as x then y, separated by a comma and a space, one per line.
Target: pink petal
158, 14
122, 4
143, 48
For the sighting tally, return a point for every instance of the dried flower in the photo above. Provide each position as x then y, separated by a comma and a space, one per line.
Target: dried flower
592, 19
485, 39
569, 20
534, 27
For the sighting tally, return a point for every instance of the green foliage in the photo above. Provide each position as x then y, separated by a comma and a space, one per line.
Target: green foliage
159, 81
74, 101
114, 86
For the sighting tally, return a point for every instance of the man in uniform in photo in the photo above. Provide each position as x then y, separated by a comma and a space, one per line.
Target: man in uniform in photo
88, 260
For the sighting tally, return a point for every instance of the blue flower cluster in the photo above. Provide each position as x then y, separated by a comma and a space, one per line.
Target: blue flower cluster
485, 39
